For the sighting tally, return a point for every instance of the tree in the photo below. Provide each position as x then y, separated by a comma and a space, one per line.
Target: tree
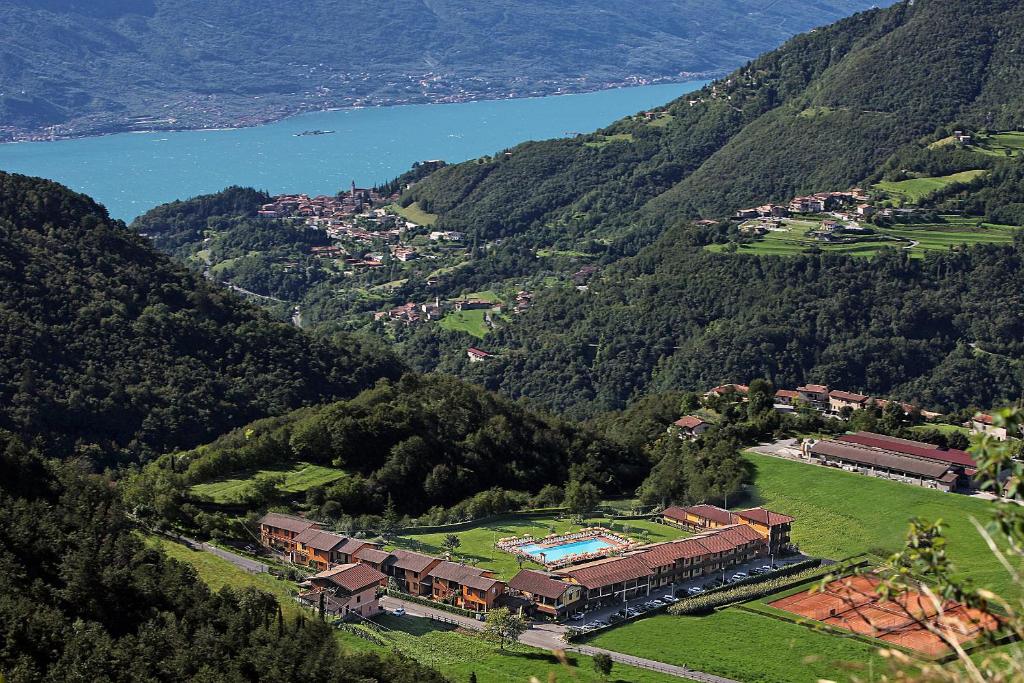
925, 557
581, 496
503, 625
451, 542
389, 521
472, 677
603, 664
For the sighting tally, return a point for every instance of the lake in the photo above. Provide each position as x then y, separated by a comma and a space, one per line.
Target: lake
133, 172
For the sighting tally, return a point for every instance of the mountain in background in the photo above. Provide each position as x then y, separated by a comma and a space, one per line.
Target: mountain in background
113, 352
822, 112
71, 67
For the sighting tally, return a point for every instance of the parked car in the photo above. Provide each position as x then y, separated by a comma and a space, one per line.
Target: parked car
399, 612
766, 567
696, 590
739, 576
669, 599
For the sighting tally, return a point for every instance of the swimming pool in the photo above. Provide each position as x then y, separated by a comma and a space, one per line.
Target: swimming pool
554, 553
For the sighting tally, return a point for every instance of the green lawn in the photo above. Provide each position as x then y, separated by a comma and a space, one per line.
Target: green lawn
471, 322
478, 542
998, 143
839, 514
743, 646
600, 141
302, 477
914, 190
457, 654
414, 213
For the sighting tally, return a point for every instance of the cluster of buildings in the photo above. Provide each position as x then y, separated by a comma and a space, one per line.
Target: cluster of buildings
413, 313
723, 539
832, 402
911, 462
815, 203
352, 570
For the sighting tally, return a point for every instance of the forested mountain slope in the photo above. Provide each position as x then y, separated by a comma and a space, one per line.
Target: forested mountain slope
944, 331
822, 112
113, 352
82, 599
106, 64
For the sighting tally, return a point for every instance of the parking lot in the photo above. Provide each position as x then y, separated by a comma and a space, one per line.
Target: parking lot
660, 597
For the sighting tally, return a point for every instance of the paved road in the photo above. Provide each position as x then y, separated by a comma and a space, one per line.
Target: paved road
549, 637
240, 561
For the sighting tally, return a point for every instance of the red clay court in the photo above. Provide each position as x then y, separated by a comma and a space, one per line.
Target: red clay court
851, 603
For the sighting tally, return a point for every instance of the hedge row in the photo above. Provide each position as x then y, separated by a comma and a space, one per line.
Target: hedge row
469, 523
426, 602
708, 602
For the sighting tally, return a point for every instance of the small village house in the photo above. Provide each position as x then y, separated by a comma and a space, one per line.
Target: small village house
838, 400
476, 355
346, 590
690, 427
983, 423
815, 394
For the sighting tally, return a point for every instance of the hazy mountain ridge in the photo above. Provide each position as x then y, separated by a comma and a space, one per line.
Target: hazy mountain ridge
108, 65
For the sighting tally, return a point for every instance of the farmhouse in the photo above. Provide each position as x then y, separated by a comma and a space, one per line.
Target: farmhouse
912, 462
278, 531
729, 389
983, 423
476, 355
837, 400
786, 397
690, 427
464, 586
815, 394
346, 590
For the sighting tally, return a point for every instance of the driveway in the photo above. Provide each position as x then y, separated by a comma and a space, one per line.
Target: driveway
239, 561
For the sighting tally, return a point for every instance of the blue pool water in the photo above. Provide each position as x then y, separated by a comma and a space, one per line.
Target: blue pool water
133, 172
590, 545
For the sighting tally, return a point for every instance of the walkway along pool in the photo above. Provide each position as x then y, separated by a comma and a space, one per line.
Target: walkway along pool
547, 553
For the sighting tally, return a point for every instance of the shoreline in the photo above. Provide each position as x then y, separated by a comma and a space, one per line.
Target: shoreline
690, 78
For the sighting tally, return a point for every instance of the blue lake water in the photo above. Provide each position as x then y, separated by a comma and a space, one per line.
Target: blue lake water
132, 172
590, 545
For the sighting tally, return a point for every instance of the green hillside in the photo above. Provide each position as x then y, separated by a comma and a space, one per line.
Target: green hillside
114, 353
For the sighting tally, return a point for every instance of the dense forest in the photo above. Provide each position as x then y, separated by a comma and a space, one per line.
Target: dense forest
102, 65
423, 442
944, 330
113, 353
83, 599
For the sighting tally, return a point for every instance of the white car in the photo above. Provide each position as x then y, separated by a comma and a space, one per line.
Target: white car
669, 598
399, 612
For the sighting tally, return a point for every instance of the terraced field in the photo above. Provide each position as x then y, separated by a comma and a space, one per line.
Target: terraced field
918, 239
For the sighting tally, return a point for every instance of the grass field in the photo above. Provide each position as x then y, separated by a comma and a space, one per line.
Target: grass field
918, 239
914, 190
470, 322
478, 542
458, 654
997, 144
604, 140
839, 514
301, 477
742, 646
414, 213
